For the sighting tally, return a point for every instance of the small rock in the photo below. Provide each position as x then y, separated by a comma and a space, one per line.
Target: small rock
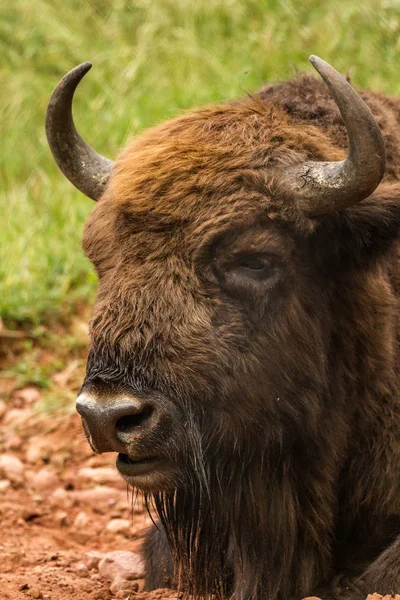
23, 586
81, 520
38, 450
16, 415
14, 443
4, 486
61, 517
100, 493
59, 459
100, 474
25, 397
61, 498
44, 480
119, 526
34, 592
22, 523
82, 570
92, 559
380, 597
123, 585
127, 565
11, 468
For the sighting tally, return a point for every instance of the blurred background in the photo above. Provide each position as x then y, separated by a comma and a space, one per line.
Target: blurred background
151, 59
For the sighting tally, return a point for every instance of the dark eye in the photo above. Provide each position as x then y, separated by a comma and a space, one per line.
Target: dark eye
253, 266
247, 273
257, 264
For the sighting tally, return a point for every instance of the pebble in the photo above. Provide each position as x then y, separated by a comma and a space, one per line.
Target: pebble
11, 468
14, 443
15, 415
100, 493
100, 474
81, 520
61, 498
23, 586
59, 459
119, 526
92, 559
25, 397
127, 565
43, 481
34, 592
61, 517
380, 597
4, 486
123, 585
82, 570
38, 450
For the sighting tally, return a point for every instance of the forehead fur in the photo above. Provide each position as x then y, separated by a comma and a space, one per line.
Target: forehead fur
213, 158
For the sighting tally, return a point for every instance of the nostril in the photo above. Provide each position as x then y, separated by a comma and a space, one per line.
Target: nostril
128, 423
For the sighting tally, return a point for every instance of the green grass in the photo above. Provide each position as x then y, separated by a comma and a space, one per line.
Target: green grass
151, 59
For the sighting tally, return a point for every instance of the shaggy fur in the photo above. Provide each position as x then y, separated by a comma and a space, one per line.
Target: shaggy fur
285, 389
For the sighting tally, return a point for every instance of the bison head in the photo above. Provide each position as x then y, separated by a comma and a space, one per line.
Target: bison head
212, 328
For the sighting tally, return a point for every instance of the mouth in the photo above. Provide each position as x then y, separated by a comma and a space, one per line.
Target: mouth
149, 474
130, 466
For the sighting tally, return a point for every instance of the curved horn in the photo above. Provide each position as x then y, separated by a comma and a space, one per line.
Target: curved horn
323, 187
86, 169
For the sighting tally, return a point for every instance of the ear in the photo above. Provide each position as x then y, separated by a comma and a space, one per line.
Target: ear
360, 235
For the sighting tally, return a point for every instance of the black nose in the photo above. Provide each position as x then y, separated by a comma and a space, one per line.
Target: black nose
116, 423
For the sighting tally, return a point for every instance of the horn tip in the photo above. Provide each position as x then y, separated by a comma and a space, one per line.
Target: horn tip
84, 67
325, 70
317, 62
74, 76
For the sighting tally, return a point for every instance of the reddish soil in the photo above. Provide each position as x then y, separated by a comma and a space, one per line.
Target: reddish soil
62, 509
61, 504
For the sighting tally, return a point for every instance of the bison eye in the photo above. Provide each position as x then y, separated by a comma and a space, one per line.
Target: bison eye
255, 267
255, 264
247, 273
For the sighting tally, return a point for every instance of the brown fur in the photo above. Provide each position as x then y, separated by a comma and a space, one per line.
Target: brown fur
287, 391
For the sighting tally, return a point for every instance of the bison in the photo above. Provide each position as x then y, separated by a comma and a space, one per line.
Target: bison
245, 337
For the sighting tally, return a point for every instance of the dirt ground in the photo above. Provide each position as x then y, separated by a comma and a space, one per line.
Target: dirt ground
61, 509
69, 527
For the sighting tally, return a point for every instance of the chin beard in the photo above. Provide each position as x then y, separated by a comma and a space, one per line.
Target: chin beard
229, 530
